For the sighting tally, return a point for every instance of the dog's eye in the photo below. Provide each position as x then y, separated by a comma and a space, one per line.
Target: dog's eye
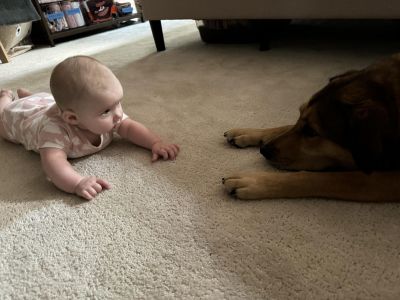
308, 131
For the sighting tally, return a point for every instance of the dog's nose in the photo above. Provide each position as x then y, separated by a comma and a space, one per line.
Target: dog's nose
268, 151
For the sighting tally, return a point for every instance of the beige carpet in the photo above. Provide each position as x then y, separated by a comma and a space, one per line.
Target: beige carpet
168, 230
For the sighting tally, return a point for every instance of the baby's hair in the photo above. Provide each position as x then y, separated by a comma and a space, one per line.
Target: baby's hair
77, 78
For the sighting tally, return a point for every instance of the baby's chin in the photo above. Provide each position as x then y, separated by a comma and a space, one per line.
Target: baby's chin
100, 132
111, 128
105, 131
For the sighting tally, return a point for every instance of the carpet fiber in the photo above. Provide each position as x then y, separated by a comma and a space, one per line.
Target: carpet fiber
168, 230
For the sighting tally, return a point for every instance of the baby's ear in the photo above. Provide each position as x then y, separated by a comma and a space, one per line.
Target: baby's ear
70, 117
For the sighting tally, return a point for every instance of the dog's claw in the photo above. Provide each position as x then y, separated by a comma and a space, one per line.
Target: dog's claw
223, 180
233, 193
232, 142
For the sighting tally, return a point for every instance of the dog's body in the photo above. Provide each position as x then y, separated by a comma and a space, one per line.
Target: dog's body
350, 129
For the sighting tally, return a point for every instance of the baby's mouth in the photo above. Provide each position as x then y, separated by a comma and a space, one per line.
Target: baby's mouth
116, 124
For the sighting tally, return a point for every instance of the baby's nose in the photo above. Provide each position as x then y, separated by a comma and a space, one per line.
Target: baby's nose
118, 113
117, 117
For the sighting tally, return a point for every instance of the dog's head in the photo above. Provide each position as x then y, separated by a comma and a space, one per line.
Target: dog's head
346, 125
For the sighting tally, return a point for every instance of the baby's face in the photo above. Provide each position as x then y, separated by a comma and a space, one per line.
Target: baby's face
103, 111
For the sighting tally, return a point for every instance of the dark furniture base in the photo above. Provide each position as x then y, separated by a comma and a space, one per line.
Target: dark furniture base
158, 36
258, 31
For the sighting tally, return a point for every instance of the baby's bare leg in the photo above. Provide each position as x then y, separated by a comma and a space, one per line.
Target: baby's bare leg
6, 97
23, 93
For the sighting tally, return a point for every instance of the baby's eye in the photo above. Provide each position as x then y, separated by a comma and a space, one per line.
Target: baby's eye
106, 113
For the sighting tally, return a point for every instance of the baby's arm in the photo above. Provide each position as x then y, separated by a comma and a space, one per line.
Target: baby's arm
61, 173
138, 134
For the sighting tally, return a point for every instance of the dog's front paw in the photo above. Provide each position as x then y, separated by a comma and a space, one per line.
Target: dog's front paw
231, 136
243, 186
243, 137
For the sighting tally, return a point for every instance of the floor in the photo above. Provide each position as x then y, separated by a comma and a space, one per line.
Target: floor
44, 56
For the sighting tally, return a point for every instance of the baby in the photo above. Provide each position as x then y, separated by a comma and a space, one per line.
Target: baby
80, 120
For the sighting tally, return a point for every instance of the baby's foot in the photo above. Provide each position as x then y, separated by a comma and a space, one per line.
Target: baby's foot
6, 95
23, 93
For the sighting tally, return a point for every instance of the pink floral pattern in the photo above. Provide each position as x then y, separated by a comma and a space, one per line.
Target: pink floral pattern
35, 122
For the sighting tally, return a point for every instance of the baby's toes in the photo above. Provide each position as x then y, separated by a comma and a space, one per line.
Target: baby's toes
7, 93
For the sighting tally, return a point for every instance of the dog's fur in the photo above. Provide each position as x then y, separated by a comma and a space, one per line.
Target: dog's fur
349, 129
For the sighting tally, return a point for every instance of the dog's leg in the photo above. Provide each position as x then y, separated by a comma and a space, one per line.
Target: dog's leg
245, 137
353, 186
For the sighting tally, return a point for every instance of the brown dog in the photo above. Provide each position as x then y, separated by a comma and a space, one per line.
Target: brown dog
350, 129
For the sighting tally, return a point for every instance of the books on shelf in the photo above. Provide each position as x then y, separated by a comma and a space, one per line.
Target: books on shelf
63, 15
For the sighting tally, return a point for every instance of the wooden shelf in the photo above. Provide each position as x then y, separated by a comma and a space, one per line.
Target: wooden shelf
91, 27
51, 36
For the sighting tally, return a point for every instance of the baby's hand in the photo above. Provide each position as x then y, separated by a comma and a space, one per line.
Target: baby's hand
166, 151
90, 186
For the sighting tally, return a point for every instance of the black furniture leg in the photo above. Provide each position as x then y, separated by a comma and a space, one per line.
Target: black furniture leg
158, 36
262, 28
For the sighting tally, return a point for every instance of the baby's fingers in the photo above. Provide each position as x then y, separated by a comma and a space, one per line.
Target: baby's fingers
155, 157
175, 147
92, 188
164, 154
161, 152
97, 188
103, 184
92, 191
86, 195
171, 153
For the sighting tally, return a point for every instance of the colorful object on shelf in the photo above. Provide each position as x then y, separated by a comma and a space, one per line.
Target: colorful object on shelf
73, 14
55, 17
124, 8
99, 10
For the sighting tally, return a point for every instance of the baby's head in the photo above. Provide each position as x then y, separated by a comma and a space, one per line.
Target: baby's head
78, 80
84, 89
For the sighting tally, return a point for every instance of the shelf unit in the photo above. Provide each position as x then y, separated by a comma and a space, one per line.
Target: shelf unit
51, 36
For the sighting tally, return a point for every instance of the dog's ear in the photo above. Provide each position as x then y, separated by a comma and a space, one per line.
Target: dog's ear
344, 77
367, 126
